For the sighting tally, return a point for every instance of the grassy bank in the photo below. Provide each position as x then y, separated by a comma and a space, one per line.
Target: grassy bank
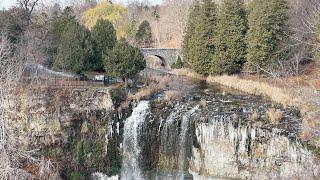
276, 94
187, 72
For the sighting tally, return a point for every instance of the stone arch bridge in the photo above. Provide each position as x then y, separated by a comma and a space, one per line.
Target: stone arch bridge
166, 55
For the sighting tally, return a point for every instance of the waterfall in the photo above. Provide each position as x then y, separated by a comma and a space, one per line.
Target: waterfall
131, 149
183, 141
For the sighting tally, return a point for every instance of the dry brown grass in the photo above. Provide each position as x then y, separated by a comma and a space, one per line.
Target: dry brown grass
172, 95
255, 116
145, 93
163, 81
160, 82
279, 95
187, 72
275, 116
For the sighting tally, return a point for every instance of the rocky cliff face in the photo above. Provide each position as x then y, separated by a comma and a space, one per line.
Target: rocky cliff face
45, 116
69, 126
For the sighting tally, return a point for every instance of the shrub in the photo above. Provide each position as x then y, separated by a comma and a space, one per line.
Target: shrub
87, 148
80, 152
178, 64
203, 103
275, 116
74, 175
255, 116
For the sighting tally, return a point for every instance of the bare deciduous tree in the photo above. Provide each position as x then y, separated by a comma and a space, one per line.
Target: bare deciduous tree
11, 156
168, 20
28, 6
304, 20
10, 71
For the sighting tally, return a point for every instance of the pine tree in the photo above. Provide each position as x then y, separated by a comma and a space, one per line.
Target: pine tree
144, 34
104, 39
190, 30
230, 39
201, 44
124, 61
74, 48
268, 33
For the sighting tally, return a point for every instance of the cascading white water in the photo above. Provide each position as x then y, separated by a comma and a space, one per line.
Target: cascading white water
184, 130
101, 176
131, 150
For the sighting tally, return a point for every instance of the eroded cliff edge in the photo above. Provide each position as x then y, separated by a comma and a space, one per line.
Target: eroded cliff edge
70, 126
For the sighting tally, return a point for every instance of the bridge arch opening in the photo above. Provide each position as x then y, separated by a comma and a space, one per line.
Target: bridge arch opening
155, 62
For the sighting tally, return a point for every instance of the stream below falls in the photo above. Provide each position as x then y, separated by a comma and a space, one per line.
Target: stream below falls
212, 132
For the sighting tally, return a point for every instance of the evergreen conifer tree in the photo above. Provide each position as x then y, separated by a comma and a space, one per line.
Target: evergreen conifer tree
75, 48
104, 38
230, 39
190, 30
124, 61
178, 64
201, 46
144, 34
268, 34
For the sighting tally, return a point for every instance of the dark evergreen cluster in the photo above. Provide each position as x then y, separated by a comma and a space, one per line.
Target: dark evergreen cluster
230, 38
74, 48
226, 38
77, 49
200, 41
104, 39
144, 34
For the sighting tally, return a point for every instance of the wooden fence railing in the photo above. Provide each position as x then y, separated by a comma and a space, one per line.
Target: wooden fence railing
58, 81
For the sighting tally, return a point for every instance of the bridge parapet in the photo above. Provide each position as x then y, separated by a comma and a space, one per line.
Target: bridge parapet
167, 56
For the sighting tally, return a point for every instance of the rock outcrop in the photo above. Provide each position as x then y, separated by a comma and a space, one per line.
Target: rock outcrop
69, 126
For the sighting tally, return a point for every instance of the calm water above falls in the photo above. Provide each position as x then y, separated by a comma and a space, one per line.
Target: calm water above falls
213, 133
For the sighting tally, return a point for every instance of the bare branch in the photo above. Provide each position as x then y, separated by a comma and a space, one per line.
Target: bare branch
12, 66
28, 6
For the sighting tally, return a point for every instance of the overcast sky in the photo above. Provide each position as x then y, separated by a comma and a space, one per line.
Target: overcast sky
9, 3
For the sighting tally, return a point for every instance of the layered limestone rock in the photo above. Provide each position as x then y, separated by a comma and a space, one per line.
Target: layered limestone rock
44, 116
78, 128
